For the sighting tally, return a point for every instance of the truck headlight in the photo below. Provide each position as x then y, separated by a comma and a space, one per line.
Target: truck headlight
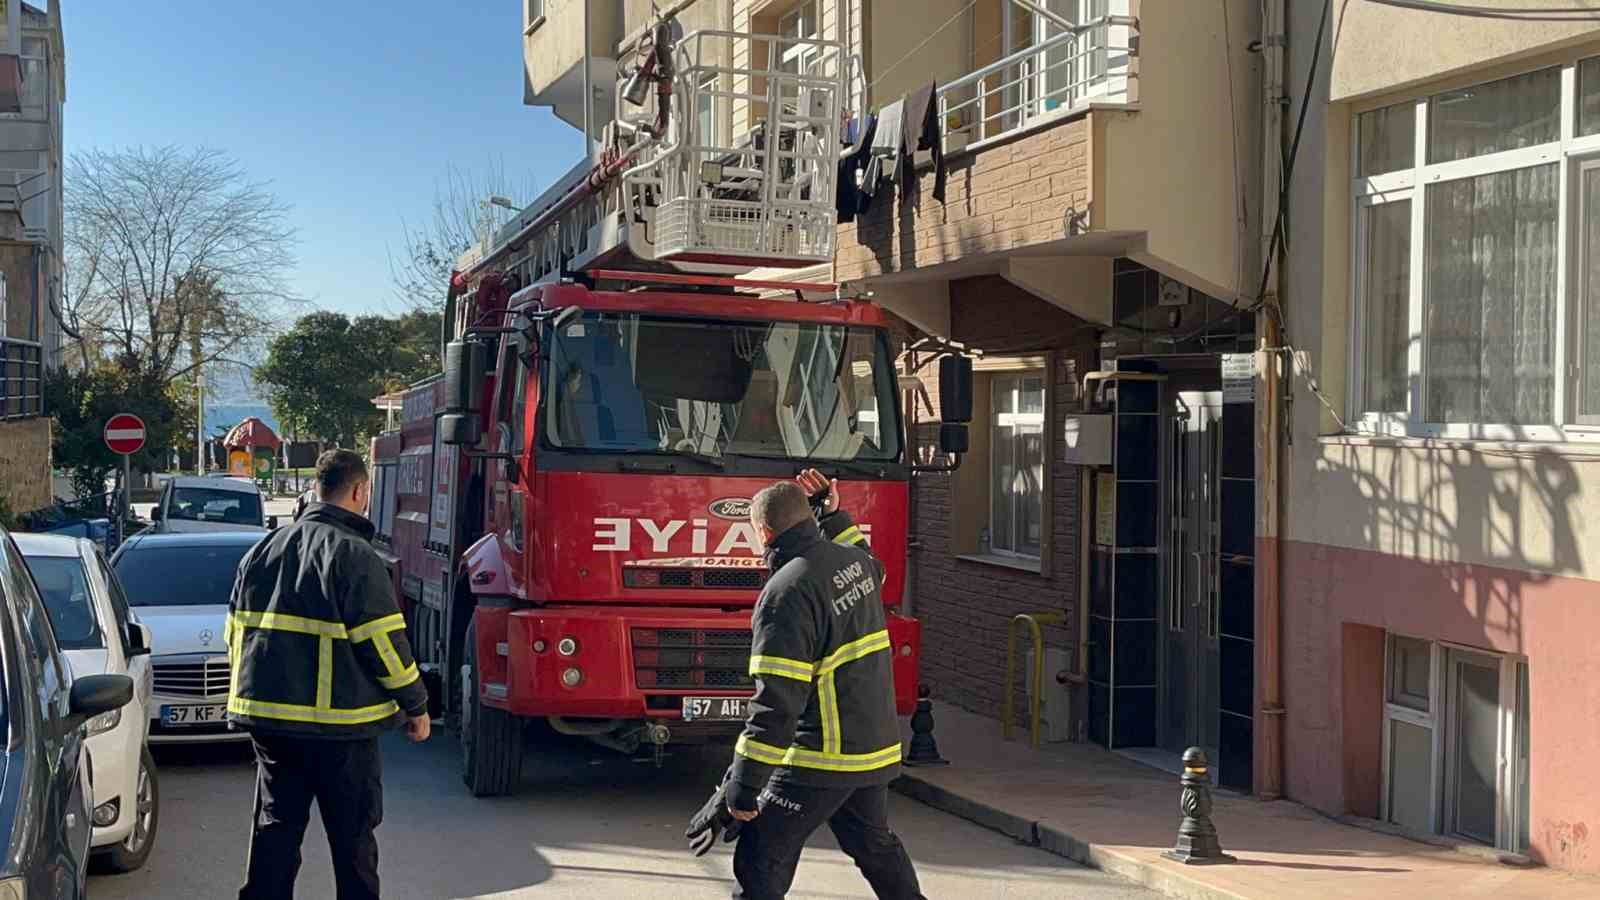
571, 677
567, 646
100, 725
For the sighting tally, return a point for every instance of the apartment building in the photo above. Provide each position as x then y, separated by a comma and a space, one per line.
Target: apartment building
1438, 551
32, 93
1086, 233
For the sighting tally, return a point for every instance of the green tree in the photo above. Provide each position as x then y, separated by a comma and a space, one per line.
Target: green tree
82, 401
321, 377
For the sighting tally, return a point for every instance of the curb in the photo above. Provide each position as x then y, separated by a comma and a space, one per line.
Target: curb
1052, 839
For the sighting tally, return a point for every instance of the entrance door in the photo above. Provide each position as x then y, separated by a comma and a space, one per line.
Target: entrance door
1189, 671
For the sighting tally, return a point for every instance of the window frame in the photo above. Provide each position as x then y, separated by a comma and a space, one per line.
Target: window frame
1572, 154
1440, 719
1016, 378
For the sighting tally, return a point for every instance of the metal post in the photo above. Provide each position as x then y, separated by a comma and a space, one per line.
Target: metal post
200, 422
1197, 843
588, 89
127, 498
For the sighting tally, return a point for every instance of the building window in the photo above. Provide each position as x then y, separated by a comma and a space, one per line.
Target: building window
1016, 464
1472, 206
797, 52
35, 77
1451, 716
532, 15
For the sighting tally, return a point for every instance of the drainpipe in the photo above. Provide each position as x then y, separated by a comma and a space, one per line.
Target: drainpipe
1268, 775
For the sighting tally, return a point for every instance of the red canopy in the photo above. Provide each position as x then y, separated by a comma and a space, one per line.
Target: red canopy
251, 433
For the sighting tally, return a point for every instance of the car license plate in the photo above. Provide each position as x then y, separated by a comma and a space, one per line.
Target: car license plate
193, 715
715, 708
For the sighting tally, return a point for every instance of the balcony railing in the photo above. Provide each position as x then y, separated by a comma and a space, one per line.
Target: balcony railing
1086, 63
21, 378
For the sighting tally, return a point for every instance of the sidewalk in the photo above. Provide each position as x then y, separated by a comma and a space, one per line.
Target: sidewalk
1109, 812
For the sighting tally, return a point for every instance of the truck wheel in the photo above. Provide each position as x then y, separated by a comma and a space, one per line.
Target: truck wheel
491, 739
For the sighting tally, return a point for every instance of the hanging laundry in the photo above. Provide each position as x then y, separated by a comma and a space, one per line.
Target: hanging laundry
853, 193
919, 130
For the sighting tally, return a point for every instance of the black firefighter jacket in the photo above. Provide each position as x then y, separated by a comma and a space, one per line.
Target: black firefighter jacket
317, 645
823, 713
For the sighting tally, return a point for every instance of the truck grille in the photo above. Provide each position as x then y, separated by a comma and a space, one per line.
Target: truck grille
191, 676
683, 658
713, 579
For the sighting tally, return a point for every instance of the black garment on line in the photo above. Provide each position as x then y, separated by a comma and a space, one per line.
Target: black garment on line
769, 848
919, 130
345, 778
851, 195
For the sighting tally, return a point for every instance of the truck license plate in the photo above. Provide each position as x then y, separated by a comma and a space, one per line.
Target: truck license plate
726, 708
193, 715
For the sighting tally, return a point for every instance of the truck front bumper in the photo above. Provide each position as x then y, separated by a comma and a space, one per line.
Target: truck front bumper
637, 662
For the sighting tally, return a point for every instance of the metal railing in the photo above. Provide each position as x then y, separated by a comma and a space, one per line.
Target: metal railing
21, 378
1094, 61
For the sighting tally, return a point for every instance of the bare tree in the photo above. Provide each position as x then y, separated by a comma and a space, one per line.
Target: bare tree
421, 268
175, 260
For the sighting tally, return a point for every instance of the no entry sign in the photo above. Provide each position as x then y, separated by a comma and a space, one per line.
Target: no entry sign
124, 433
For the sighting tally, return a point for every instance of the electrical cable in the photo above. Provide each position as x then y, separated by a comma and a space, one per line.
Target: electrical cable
1515, 14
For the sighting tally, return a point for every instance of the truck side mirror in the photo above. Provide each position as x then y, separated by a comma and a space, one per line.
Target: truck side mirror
955, 390
953, 438
464, 365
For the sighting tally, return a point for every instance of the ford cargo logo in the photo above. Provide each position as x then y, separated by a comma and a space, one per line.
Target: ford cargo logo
735, 509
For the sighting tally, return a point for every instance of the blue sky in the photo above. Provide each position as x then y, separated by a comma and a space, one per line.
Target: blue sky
351, 109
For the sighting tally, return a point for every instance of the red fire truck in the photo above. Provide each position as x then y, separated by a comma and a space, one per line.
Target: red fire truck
567, 508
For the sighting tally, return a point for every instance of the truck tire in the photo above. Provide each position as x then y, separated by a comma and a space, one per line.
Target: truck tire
491, 739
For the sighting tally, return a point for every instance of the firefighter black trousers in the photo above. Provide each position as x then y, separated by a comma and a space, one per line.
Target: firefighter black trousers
769, 846
345, 778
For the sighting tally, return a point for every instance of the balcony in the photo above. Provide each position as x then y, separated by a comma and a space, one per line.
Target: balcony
1081, 65
1119, 136
553, 52
21, 373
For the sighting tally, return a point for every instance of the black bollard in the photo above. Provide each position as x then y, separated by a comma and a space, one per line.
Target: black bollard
924, 749
1197, 837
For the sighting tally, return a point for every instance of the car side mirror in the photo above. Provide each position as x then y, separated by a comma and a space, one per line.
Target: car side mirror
95, 694
140, 640
155, 513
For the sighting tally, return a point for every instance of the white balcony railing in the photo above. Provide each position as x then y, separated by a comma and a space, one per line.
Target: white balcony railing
1054, 77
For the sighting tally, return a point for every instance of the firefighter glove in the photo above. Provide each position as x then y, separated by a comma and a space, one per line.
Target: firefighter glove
713, 817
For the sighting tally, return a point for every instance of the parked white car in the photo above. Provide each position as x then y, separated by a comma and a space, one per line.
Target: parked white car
191, 503
179, 585
99, 635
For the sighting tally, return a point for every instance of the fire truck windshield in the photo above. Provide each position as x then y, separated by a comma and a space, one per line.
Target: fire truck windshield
630, 383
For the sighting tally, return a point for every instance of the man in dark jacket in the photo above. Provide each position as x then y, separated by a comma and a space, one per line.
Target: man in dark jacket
822, 742
321, 666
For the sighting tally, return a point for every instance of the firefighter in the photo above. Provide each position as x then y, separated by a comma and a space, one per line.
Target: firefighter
822, 741
321, 666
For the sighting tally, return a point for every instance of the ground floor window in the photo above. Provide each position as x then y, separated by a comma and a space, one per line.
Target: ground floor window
1016, 464
1456, 742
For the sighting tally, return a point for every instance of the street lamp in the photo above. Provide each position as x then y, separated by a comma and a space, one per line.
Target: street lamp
486, 219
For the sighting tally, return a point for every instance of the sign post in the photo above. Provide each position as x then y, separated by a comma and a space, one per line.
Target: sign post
124, 434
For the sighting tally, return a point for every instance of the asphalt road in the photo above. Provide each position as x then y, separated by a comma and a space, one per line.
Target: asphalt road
587, 823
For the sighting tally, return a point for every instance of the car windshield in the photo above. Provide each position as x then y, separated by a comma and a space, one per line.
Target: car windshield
65, 588
630, 383
179, 575
215, 505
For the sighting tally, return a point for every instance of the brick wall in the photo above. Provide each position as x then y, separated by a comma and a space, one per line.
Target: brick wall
1020, 192
966, 606
25, 463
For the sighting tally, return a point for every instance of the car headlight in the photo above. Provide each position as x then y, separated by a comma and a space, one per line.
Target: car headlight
13, 889
100, 725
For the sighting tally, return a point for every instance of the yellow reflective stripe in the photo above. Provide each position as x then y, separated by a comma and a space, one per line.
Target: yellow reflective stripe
814, 759
851, 535
777, 665
828, 702
854, 650
293, 712
235, 643
396, 682
391, 659
284, 622
391, 622
325, 672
